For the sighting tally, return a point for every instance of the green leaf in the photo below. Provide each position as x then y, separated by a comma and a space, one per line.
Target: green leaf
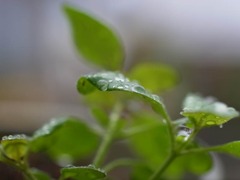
15, 147
206, 111
94, 40
232, 148
65, 137
195, 163
152, 145
154, 76
39, 175
100, 116
140, 172
82, 173
114, 81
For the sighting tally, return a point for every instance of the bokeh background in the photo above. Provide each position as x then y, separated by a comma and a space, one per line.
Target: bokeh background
39, 65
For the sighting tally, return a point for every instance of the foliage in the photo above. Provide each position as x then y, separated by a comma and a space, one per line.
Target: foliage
162, 147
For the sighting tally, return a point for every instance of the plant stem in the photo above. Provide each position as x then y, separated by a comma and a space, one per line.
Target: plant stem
22, 167
156, 175
109, 136
200, 150
162, 168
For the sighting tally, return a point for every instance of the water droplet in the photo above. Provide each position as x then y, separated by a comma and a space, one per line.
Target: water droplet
184, 132
210, 123
10, 137
156, 97
120, 87
221, 126
139, 89
103, 84
4, 138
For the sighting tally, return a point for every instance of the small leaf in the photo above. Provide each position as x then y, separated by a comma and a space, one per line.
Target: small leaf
206, 111
82, 173
154, 76
232, 148
66, 136
15, 147
94, 40
113, 81
39, 175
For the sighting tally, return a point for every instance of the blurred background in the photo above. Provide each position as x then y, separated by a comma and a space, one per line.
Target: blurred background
39, 65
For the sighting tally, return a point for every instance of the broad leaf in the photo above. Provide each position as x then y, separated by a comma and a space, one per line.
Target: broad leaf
154, 76
113, 81
65, 137
94, 40
232, 148
15, 147
82, 173
206, 111
152, 145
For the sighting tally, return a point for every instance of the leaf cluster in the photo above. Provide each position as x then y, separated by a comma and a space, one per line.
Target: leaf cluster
163, 148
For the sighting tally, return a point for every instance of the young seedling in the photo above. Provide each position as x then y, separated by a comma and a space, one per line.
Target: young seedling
162, 148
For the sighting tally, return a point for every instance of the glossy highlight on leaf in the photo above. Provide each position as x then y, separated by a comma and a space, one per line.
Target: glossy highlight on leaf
207, 111
95, 41
64, 137
82, 173
114, 81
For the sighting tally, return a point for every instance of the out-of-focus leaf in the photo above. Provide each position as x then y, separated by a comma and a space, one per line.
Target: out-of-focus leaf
152, 145
15, 147
66, 136
141, 172
100, 116
155, 77
82, 173
206, 111
39, 175
232, 148
113, 81
94, 40
195, 163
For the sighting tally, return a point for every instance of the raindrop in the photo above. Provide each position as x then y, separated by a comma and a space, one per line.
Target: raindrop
120, 87
139, 89
10, 137
156, 97
4, 138
210, 123
221, 126
103, 84
184, 132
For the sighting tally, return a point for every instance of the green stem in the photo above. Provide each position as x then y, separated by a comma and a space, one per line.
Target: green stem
108, 137
157, 174
22, 167
200, 150
162, 168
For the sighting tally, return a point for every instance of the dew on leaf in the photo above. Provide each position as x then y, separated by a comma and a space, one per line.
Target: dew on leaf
210, 123
139, 89
103, 84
